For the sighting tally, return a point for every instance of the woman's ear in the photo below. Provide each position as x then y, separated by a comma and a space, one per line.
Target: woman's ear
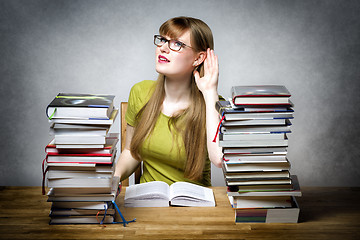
201, 56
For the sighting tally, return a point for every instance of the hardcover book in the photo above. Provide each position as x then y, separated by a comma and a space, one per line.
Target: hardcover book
253, 143
101, 121
248, 167
269, 215
231, 112
75, 105
80, 158
260, 95
260, 202
273, 190
109, 148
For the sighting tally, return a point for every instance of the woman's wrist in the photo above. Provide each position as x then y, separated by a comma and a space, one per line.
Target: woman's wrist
211, 96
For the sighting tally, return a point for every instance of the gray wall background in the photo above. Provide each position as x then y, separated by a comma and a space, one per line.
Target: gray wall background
312, 47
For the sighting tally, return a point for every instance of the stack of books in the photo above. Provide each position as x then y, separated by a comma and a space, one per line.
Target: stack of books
81, 158
254, 136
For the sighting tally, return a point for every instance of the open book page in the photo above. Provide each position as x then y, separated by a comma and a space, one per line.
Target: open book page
188, 194
149, 190
151, 194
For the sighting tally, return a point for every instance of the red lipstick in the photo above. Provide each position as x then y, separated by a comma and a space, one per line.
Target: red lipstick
162, 59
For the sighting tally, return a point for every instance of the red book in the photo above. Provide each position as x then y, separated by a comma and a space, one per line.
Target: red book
80, 158
108, 148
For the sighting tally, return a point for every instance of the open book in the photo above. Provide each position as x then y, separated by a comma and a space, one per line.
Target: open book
160, 194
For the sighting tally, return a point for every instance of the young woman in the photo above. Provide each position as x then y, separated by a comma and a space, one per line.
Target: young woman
171, 122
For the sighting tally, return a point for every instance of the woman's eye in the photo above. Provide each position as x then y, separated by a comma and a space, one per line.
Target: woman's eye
178, 44
163, 40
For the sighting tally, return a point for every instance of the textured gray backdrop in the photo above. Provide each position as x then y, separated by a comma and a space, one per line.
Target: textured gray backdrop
312, 47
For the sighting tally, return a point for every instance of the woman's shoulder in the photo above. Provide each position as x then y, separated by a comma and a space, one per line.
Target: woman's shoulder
141, 91
145, 85
139, 95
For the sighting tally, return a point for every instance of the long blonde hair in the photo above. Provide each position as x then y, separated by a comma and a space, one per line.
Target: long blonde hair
193, 128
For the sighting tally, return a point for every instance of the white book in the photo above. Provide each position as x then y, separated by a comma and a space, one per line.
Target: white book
256, 115
261, 100
87, 121
56, 174
55, 196
252, 136
101, 205
84, 197
254, 143
77, 132
257, 175
70, 164
270, 121
255, 129
255, 150
260, 202
246, 167
81, 190
110, 141
80, 159
159, 194
104, 182
80, 113
241, 158
72, 139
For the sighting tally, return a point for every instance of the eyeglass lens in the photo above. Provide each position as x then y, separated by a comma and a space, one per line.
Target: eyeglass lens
173, 44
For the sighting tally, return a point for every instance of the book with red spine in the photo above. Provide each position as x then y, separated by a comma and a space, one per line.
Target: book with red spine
260, 95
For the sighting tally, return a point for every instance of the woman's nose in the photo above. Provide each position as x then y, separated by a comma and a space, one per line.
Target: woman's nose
165, 47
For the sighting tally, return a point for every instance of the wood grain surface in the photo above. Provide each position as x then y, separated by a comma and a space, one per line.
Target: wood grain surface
325, 213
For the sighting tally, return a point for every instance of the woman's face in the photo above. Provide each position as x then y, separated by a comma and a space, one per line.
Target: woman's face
175, 64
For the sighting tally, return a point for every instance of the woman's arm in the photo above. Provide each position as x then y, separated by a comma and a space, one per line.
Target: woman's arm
208, 86
212, 122
126, 164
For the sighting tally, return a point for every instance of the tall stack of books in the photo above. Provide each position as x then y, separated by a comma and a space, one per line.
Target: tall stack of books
254, 137
81, 158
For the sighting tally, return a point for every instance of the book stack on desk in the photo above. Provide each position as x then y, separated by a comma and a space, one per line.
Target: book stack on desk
81, 158
254, 136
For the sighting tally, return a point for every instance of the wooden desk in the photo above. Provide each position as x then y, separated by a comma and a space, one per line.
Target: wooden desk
326, 213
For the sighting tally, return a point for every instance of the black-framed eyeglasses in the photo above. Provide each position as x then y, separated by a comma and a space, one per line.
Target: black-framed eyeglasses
173, 44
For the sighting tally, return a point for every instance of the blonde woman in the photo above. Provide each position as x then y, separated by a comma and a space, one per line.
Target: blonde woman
171, 122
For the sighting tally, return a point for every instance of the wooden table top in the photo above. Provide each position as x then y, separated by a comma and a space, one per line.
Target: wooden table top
325, 213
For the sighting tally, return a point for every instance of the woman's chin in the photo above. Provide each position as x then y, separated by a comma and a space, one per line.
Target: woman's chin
161, 70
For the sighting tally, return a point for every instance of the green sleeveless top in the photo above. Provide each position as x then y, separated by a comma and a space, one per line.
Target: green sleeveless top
163, 156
